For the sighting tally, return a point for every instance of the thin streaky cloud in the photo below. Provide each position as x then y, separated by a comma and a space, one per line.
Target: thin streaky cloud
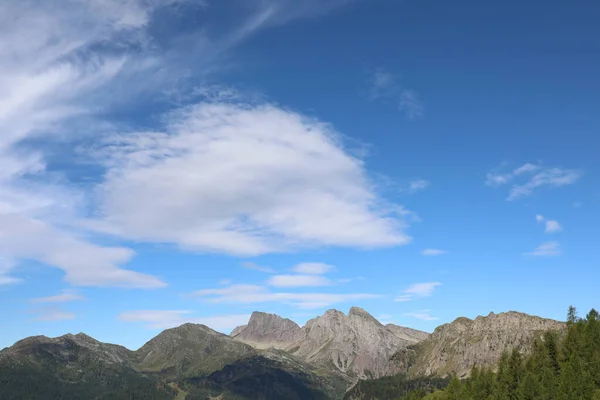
532, 177
256, 267
434, 252
313, 268
298, 281
164, 319
547, 249
422, 315
416, 290
64, 297
254, 294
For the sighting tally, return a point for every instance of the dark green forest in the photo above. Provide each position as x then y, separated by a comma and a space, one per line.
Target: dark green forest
559, 368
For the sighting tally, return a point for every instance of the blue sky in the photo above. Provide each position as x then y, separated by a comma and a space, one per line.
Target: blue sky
169, 161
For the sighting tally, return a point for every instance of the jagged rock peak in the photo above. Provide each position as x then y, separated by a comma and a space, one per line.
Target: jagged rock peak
408, 334
457, 346
359, 312
266, 330
236, 331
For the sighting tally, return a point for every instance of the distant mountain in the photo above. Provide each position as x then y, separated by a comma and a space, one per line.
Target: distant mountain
268, 330
188, 362
356, 344
74, 367
408, 334
458, 346
269, 358
189, 350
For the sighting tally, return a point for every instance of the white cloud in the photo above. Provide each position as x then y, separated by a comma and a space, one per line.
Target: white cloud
244, 180
385, 86
298, 281
410, 103
418, 185
52, 314
163, 319
61, 68
256, 267
545, 249
225, 282
434, 252
253, 294
84, 263
50, 74
423, 315
526, 168
64, 297
313, 268
535, 177
417, 290
553, 226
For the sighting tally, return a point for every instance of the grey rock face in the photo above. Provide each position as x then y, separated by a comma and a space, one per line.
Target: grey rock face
408, 334
355, 344
237, 330
464, 343
268, 330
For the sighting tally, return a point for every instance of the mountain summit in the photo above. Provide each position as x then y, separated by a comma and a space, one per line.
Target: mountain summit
357, 344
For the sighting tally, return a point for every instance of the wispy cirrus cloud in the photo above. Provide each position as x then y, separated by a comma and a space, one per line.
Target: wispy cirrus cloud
53, 314
254, 294
64, 297
547, 249
384, 86
298, 281
532, 177
417, 185
313, 268
417, 290
164, 319
67, 68
259, 268
422, 315
433, 252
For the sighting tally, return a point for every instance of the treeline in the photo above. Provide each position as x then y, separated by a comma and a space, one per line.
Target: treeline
559, 368
26, 382
395, 387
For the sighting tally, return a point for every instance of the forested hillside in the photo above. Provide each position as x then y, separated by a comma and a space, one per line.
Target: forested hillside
565, 368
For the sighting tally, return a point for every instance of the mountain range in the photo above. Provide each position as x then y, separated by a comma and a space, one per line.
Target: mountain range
269, 358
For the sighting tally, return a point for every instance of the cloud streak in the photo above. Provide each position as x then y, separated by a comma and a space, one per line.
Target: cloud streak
547, 249
164, 319
253, 294
384, 86
533, 177
417, 290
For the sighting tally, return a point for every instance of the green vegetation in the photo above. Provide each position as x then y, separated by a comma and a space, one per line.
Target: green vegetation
395, 387
55, 382
566, 368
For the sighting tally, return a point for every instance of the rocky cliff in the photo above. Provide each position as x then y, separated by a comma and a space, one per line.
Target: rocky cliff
463, 343
268, 330
408, 334
356, 344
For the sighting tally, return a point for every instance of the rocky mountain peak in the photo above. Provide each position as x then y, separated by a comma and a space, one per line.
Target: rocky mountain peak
266, 330
355, 344
361, 313
463, 343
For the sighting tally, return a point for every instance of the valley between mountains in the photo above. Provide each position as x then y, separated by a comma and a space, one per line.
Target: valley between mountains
269, 358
